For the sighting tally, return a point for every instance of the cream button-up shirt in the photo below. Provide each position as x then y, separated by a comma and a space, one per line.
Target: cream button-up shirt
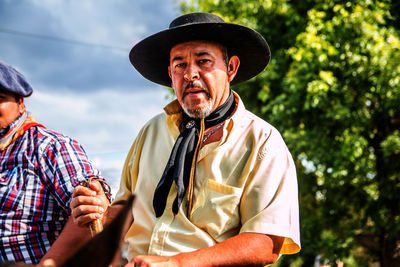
246, 182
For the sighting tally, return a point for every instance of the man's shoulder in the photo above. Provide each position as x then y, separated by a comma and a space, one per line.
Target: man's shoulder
260, 129
258, 123
45, 137
245, 117
159, 118
156, 121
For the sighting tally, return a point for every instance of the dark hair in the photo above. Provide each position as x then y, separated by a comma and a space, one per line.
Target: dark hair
226, 56
18, 97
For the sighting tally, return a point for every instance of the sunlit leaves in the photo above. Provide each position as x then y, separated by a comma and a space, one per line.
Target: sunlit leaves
333, 90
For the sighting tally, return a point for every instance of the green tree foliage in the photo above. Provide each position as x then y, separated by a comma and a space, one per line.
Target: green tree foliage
333, 89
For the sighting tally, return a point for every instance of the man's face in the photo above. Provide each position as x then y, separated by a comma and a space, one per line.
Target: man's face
200, 76
10, 108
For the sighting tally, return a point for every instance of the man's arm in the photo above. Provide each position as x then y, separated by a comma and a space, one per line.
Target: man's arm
87, 204
71, 238
246, 249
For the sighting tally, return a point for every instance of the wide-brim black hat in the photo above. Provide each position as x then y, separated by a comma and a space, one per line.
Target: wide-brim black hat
151, 56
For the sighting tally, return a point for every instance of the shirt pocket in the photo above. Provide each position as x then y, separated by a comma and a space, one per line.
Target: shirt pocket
12, 190
216, 209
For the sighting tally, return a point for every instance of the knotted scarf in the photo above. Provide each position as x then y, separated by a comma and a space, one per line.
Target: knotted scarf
16, 129
184, 155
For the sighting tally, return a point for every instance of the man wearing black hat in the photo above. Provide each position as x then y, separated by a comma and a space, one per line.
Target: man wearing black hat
215, 184
39, 169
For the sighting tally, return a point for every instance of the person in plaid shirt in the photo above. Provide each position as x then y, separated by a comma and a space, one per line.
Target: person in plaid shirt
39, 170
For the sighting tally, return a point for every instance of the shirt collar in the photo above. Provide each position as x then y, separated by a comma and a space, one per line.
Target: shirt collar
174, 116
175, 109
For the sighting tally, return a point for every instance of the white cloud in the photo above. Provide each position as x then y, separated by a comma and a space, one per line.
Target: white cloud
48, 53
97, 21
104, 122
87, 92
98, 119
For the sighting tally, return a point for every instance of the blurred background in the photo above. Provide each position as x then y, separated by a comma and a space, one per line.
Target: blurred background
332, 89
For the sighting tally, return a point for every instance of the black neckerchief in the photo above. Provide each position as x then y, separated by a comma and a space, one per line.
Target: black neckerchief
181, 158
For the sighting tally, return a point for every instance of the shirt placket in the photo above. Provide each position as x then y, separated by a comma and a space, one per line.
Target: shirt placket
162, 228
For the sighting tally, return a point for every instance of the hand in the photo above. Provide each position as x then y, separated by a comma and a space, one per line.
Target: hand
154, 261
88, 204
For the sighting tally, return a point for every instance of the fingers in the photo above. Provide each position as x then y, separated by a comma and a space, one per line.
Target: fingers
96, 186
84, 196
93, 189
88, 204
83, 214
155, 261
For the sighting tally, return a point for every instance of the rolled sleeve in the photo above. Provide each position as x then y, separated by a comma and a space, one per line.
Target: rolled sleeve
65, 165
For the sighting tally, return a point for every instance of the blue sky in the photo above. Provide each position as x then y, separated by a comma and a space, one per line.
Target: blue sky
75, 56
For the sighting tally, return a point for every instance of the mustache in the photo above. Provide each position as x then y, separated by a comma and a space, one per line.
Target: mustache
195, 84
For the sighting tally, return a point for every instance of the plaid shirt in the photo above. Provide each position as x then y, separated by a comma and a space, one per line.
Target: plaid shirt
38, 173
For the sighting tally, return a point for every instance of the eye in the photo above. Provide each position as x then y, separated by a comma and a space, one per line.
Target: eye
204, 60
180, 65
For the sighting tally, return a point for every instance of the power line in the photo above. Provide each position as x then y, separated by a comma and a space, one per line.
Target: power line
59, 39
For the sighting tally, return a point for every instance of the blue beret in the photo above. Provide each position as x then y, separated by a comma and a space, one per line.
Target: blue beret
13, 81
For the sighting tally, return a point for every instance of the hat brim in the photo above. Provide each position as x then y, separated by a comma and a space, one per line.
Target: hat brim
150, 57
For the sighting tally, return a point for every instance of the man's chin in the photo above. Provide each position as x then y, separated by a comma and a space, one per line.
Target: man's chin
198, 113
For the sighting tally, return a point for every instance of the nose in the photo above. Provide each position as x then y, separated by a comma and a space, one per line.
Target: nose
191, 73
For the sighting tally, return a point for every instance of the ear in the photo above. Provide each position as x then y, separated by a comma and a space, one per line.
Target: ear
21, 105
233, 67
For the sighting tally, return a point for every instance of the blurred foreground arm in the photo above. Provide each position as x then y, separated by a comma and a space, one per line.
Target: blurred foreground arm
71, 238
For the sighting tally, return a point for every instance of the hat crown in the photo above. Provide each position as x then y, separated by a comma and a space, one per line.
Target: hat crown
13, 81
151, 55
195, 18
